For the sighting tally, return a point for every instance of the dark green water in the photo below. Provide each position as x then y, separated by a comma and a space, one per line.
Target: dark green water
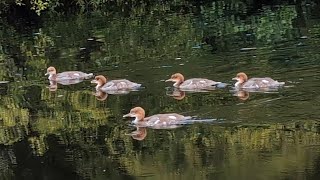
69, 134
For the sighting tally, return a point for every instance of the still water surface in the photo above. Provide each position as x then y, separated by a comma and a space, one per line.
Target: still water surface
71, 134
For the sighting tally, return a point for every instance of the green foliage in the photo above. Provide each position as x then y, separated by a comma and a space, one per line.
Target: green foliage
39, 6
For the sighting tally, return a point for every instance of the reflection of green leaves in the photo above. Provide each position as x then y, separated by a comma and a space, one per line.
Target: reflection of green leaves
14, 119
38, 144
269, 26
71, 111
35, 52
202, 145
273, 26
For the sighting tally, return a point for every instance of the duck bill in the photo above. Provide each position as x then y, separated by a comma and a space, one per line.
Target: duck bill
94, 81
169, 80
127, 115
46, 74
236, 79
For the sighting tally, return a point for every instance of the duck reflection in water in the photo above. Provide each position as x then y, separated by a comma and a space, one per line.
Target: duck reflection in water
242, 95
179, 94
53, 86
175, 93
100, 95
139, 134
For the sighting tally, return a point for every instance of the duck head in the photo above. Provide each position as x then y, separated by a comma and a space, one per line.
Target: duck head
240, 78
138, 113
51, 71
100, 80
177, 78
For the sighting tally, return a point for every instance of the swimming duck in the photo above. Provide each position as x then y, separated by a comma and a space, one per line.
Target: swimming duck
194, 83
68, 77
122, 85
155, 121
255, 83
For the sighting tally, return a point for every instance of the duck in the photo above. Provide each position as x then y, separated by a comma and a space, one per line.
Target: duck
120, 86
255, 83
157, 121
67, 77
189, 84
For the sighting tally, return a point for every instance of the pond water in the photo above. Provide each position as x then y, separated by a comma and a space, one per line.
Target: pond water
71, 134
